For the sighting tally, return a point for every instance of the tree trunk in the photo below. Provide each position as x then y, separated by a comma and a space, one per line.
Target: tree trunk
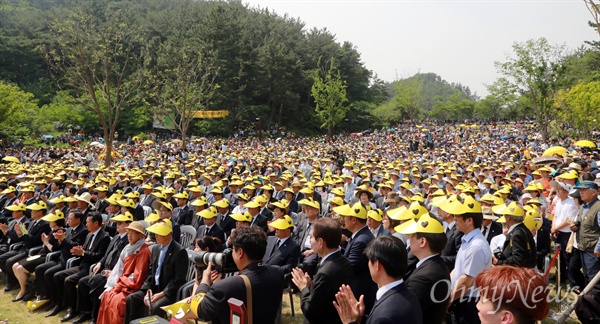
108, 156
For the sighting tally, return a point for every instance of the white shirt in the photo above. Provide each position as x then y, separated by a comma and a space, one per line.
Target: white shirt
425, 259
382, 290
327, 256
497, 242
565, 210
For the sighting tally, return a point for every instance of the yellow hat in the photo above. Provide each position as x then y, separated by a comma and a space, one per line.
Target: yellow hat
425, 224
20, 207
199, 202
282, 223
414, 211
167, 205
152, 217
312, 203
223, 203
375, 214
126, 217
58, 214
181, 195
509, 209
357, 210
38, 206
252, 204
133, 194
210, 212
337, 201
126, 203
533, 220
400, 228
160, 229
458, 205
245, 217
147, 186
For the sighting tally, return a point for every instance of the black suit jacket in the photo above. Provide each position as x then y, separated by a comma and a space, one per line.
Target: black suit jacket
519, 248
421, 283
172, 272
110, 258
73, 237
267, 287
261, 221
267, 213
11, 237
184, 215
286, 256
495, 229
34, 237
397, 305
317, 301
354, 252
542, 246
95, 251
451, 249
226, 223
215, 231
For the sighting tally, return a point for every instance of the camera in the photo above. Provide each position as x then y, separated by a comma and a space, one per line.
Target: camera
223, 262
498, 254
577, 223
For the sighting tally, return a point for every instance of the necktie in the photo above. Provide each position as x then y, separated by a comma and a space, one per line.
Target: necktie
89, 247
206, 231
484, 231
275, 247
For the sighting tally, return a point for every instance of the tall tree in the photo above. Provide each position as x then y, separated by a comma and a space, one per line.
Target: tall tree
182, 82
97, 54
535, 71
329, 92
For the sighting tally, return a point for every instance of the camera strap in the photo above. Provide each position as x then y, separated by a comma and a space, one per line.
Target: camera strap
248, 298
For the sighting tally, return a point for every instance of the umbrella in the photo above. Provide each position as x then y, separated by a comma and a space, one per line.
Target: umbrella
135, 138
11, 159
176, 141
546, 159
148, 142
585, 143
554, 150
98, 145
504, 137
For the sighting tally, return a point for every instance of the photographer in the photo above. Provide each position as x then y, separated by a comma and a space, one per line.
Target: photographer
519, 246
249, 244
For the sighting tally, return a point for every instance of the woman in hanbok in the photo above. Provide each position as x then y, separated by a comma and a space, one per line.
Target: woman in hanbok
126, 277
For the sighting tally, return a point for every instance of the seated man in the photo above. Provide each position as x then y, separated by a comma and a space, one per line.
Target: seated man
168, 268
282, 251
249, 244
395, 303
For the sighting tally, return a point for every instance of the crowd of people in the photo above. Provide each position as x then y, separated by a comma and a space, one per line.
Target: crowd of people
426, 223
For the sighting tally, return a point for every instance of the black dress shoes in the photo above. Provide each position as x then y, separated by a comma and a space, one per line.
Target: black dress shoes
9, 288
54, 311
83, 318
70, 315
16, 299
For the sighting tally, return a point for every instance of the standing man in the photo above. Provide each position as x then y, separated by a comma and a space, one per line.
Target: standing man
355, 221
519, 247
565, 214
588, 229
282, 251
334, 271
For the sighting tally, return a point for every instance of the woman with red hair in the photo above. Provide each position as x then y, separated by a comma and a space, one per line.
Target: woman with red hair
511, 295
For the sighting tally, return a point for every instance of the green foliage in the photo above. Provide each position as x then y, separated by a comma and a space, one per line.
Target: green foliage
536, 71
580, 107
329, 93
456, 108
17, 111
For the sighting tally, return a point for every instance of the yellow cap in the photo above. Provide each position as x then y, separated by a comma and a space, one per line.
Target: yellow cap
245, 217
20, 207
152, 217
425, 224
210, 212
282, 223
38, 206
126, 217
375, 214
223, 203
357, 210
510, 209
53, 217
167, 205
458, 205
160, 229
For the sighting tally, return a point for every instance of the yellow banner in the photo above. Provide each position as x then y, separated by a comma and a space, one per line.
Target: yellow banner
211, 113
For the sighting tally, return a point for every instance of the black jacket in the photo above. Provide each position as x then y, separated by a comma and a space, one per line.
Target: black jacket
519, 248
423, 280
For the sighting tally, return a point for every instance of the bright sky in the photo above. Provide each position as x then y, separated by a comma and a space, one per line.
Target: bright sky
458, 40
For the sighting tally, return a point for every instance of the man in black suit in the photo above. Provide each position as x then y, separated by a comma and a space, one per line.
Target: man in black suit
519, 247
168, 269
182, 214
395, 302
249, 244
31, 237
430, 281
45, 285
89, 289
355, 220
8, 233
223, 220
454, 239
334, 271
101, 202
257, 219
10, 195
92, 251
490, 227
282, 251
302, 236
210, 227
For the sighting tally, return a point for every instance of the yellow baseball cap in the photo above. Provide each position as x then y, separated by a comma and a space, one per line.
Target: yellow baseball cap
38, 206
357, 210
126, 217
20, 207
244, 217
425, 224
58, 214
375, 214
210, 212
160, 229
282, 223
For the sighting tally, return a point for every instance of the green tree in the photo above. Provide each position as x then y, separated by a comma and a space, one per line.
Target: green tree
329, 93
580, 107
536, 72
17, 110
456, 108
408, 98
97, 54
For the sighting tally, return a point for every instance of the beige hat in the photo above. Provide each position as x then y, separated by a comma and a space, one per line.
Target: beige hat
85, 197
136, 226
